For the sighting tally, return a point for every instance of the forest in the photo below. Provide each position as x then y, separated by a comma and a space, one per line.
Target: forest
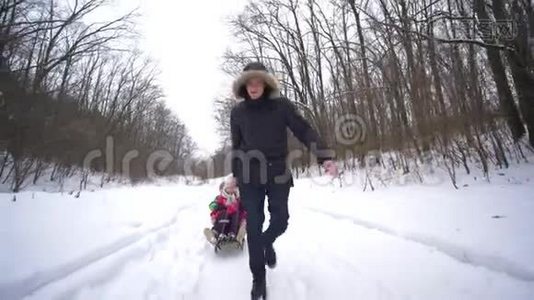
73, 87
448, 82
393, 85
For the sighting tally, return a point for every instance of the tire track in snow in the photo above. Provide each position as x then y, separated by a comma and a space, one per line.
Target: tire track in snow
168, 270
312, 259
457, 252
29, 285
223, 275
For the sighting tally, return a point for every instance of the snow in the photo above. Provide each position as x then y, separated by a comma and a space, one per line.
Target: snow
404, 241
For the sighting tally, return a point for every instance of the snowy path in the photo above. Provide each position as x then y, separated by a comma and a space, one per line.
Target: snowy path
327, 253
174, 262
121, 250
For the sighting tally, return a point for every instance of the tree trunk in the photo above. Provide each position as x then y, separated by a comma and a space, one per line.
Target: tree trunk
506, 100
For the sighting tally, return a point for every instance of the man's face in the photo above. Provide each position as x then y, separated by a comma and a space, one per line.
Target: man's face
255, 88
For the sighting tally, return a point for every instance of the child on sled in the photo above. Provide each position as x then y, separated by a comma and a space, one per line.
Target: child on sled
227, 214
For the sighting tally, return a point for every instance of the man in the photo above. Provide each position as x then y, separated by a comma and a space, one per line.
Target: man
259, 150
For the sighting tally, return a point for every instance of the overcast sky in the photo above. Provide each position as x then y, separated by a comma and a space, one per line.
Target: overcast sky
187, 39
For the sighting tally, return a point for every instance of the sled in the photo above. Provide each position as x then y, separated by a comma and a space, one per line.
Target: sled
225, 243
228, 244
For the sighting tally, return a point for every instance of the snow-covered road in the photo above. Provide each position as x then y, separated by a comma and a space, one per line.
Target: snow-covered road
328, 252
321, 257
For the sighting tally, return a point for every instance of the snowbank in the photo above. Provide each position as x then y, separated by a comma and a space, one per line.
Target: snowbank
484, 223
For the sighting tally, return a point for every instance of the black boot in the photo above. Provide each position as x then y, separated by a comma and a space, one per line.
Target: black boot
259, 289
270, 256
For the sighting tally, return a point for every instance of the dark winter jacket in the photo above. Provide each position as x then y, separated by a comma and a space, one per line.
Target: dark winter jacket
259, 139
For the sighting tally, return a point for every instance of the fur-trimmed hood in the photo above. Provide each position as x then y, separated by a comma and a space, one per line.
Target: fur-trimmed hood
255, 70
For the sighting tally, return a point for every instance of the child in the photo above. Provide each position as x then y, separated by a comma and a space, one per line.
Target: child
227, 213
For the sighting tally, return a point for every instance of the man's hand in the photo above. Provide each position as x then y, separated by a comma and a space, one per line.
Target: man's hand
330, 168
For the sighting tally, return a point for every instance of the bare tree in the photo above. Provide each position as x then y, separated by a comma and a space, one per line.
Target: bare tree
423, 76
67, 85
